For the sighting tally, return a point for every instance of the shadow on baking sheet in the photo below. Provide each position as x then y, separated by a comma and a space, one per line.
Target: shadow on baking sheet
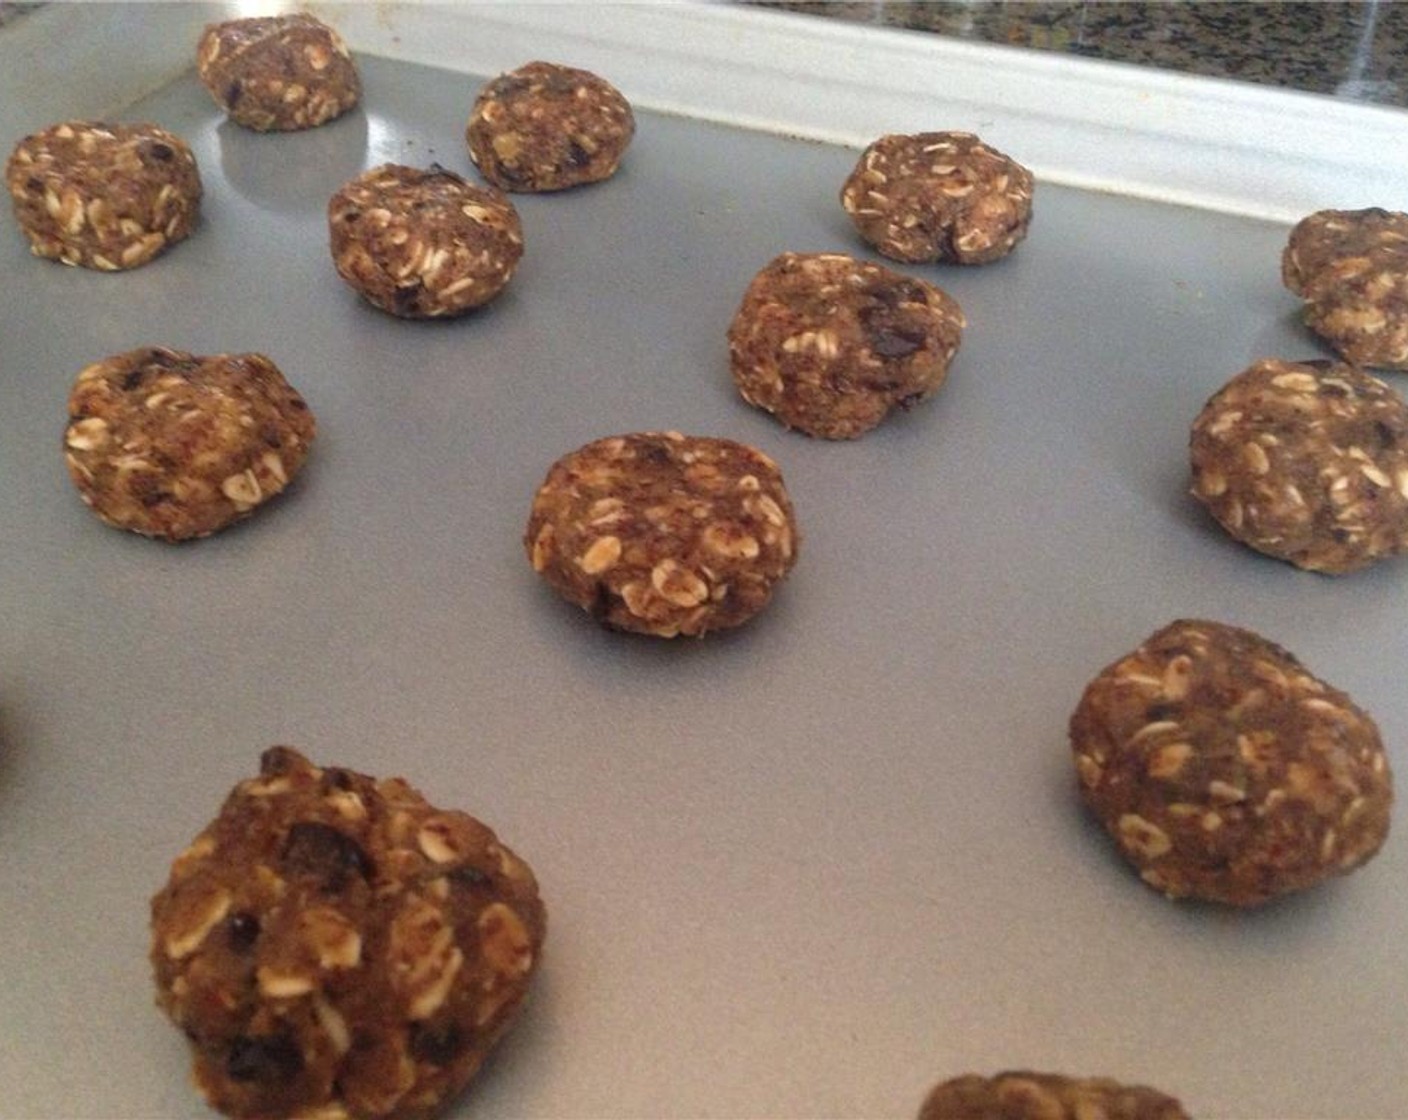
7, 747
1156, 464
293, 172
1305, 347
510, 1064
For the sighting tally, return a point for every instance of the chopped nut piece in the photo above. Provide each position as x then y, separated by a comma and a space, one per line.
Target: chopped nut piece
88, 434
1168, 761
333, 938
243, 490
193, 917
601, 555
282, 985
1145, 840
507, 945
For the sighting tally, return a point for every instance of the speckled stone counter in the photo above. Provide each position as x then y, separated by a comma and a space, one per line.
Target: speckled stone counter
1354, 50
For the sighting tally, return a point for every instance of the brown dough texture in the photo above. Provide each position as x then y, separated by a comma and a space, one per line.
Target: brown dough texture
278, 73
660, 533
1023, 1095
545, 127
336, 948
1307, 462
1225, 771
939, 196
423, 244
1351, 268
104, 196
171, 445
830, 345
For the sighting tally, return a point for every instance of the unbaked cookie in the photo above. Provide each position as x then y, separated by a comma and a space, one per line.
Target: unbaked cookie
1307, 462
939, 196
830, 344
335, 947
1023, 1095
1225, 771
278, 73
423, 244
545, 127
105, 196
1351, 268
176, 446
664, 534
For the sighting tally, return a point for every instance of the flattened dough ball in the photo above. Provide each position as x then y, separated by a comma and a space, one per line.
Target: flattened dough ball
1023, 1095
1307, 462
939, 196
171, 445
278, 73
336, 947
830, 345
545, 127
104, 196
1351, 268
664, 534
1225, 771
423, 244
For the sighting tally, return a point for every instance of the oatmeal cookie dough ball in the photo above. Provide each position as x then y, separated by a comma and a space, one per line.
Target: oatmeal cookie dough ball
545, 127
278, 73
335, 946
171, 445
423, 244
830, 344
104, 196
1225, 771
660, 533
1307, 462
939, 196
1351, 268
1022, 1095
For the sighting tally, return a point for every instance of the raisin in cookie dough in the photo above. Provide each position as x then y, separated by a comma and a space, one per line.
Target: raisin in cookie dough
1023, 1095
1306, 462
335, 947
423, 244
1351, 268
171, 445
939, 196
830, 345
1225, 771
545, 127
660, 533
104, 196
278, 73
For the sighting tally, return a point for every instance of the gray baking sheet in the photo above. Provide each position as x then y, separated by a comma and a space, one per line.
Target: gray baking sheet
803, 869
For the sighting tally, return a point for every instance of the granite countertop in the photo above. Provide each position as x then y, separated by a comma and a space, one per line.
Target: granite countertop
1356, 50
